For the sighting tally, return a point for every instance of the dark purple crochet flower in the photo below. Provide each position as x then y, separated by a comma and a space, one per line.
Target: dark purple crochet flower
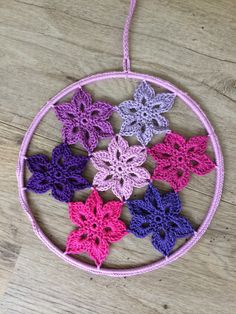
159, 215
84, 121
62, 174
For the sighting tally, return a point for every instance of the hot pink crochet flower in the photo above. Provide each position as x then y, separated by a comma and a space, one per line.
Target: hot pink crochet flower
177, 157
99, 225
84, 121
119, 168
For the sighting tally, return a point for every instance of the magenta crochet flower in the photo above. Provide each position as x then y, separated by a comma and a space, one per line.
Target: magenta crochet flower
84, 121
119, 168
177, 157
142, 116
99, 225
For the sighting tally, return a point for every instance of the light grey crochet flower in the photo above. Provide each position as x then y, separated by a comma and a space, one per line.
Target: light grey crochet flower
142, 116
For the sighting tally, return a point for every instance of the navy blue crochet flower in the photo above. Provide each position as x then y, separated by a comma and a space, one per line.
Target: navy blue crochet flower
62, 174
159, 215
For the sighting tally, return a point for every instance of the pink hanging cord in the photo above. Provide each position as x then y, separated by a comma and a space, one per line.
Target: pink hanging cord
126, 60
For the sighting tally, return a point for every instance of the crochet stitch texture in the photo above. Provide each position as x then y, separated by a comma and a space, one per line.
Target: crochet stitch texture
62, 174
98, 226
119, 168
84, 121
142, 116
159, 215
177, 157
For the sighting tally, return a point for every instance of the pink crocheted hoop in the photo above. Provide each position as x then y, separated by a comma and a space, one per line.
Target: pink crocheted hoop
206, 221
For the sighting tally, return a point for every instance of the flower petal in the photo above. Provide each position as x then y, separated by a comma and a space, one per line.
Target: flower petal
77, 242
101, 160
140, 208
62, 192
88, 138
75, 164
200, 164
139, 177
140, 226
79, 214
98, 250
82, 100
100, 111
61, 154
39, 183
144, 93
197, 145
153, 199
94, 203
160, 151
122, 188
171, 203
103, 129
135, 156
129, 127
114, 230
178, 178
181, 227
38, 163
160, 124
144, 133
128, 109
117, 145
65, 112
162, 102
70, 133
111, 210
77, 182
103, 180
175, 140
164, 241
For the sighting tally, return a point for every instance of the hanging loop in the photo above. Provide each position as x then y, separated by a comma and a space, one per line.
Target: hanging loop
126, 59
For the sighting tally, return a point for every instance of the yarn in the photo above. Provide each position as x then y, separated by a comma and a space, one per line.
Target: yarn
177, 157
84, 121
98, 226
119, 168
159, 215
142, 116
62, 174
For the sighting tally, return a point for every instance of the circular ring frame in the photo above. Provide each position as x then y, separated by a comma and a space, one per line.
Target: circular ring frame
208, 217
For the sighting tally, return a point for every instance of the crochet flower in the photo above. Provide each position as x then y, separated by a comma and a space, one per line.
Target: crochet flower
119, 168
98, 227
84, 121
62, 174
159, 215
177, 157
142, 116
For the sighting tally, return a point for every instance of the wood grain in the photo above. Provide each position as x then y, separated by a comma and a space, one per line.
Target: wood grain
48, 44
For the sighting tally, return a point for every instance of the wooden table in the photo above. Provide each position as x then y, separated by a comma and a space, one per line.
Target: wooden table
46, 45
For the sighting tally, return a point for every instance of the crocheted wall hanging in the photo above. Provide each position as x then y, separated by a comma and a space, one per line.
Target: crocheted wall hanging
120, 168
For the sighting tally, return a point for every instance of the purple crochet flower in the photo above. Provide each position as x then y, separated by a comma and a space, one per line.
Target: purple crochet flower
62, 175
142, 116
84, 121
159, 215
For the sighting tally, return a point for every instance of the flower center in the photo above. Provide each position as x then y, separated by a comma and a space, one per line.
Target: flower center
158, 219
144, 114
119, 169
58, 174
180, 159
84, 121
